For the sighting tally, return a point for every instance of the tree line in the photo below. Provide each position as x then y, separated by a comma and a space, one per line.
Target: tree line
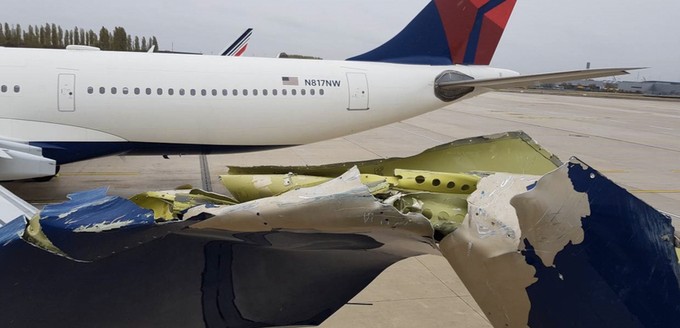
55, 37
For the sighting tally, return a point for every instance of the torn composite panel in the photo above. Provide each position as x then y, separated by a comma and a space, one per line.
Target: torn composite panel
566, 249
170, 205
580, 251
435, 182
345, 205
511, 152
297, 269
90, 225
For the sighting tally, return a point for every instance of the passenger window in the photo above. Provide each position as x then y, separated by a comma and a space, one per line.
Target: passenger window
264, 92
254, 92
171, 91
203, 92
193, 92
126, 90
17, 89
225, 92
159, 91
181, 92
321, 92
293, 92
137, 91
148, 91
284, 92
102, 90
3, 88
303, 92
214, 92
245, 92
90, 90
311, 92
114, 90
274, 92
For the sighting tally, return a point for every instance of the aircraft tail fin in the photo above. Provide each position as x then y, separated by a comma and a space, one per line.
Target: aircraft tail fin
239, 46
448, 32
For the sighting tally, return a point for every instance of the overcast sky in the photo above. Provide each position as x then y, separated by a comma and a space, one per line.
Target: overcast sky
542, 35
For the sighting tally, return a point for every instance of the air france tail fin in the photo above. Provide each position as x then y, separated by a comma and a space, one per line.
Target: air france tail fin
239, 46
448, 32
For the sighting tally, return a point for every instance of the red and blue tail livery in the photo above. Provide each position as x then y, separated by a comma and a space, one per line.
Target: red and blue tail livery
448, 32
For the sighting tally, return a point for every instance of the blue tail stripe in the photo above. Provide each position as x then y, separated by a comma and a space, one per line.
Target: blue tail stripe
473, 41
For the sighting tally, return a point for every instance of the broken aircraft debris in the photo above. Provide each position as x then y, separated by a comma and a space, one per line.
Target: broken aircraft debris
536, 242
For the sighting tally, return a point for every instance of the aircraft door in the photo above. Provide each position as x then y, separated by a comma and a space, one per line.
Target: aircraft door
358, 91
66, 93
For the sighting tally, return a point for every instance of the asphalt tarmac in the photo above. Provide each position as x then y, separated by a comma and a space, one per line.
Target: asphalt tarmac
634, 142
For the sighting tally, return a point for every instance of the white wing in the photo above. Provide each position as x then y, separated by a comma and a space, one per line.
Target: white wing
19, 160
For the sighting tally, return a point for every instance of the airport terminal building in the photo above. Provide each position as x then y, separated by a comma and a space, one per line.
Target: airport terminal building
651, 88
656, 88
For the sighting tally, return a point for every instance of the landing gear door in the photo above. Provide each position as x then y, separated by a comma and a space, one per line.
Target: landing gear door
66, 92
358, 91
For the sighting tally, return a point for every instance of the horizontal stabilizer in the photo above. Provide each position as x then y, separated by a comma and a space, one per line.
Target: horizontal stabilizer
528, 80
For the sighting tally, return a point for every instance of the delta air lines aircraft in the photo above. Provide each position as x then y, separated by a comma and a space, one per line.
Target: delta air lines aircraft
62, 106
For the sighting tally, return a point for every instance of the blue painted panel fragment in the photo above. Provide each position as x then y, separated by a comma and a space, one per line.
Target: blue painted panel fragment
194, 278
94, 211
625, 272
92, 225
11, 232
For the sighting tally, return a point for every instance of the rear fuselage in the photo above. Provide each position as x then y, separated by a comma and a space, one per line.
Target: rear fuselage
54, 98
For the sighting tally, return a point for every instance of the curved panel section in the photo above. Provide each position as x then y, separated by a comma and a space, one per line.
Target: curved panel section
43, 131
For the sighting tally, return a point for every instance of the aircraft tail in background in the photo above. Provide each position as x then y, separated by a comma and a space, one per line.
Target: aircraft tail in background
448, 32
239, 46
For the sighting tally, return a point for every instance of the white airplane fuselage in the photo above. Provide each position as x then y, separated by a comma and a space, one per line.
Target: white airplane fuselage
63, 106
90, 96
